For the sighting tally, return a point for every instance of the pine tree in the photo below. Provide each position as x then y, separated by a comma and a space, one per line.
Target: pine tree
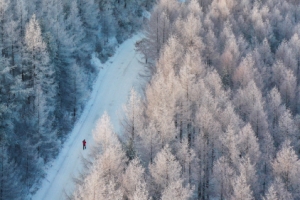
42, 76
89, 16
10, 176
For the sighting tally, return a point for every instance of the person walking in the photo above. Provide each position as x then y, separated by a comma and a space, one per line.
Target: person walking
84, 144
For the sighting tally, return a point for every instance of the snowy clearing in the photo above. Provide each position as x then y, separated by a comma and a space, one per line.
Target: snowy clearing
110, 92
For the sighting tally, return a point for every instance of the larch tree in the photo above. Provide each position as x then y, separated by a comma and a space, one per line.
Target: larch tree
285, 80
104, 181
266, 56
133, 178
158, 29
171, 56
286, 166
141, 192
148, 143
278, 191
165, 170
132, 122
241, 189
228, 116
265, 165
271, 194
176, 190
188, 161
294, 43
229, 142
189, 30
210, 53
287, 129
248, 145
229, 56
103, 133
205, 146
245, 72
112, 162
250, 105
162, 112
223, 175
275, 110
248, 169
189, 72
284, 53
195, 8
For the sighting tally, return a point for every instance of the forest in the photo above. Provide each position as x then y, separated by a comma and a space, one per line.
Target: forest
220, 116
46, 76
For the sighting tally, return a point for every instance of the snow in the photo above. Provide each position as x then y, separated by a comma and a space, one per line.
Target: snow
110, 92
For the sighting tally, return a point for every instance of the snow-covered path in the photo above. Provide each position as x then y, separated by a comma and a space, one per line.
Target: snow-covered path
110, 92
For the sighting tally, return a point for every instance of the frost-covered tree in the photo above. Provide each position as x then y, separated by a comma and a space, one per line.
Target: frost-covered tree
250, 104
10, 183
159, 27
141, 192
247, 144
275, 109
189, 30
104, 181
267, 155
229, 145
248, 169
165, 170
223, 175
222, 97
245, 72
278, 191
287, 128
286, 166
75, 28
272, 194
161, 113
133, 179
132, 122
188, 161
148, 143
89, 15
229, 56
41, 78
176, 190
286, 82
241, 189
103, 133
